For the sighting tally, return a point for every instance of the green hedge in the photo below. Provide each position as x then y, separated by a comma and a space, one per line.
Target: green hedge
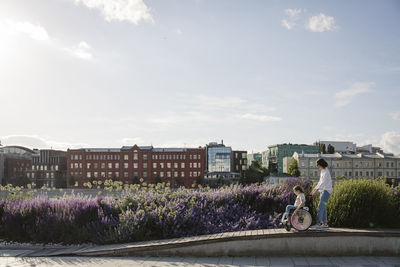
363, 203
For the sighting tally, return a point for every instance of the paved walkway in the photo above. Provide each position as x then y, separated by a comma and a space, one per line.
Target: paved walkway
197, 262
384, 241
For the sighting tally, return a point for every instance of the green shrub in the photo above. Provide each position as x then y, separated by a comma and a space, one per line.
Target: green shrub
362, 203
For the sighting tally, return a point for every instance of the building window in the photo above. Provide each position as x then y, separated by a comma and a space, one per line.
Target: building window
162, 165
116, 174
96, 174
103, 174
169, 165
182, 174
182, 165
145, 165
88, 175
169, 174
144, 156
135, 165
175, 174
126, 156
135, 174
110, 165
135, 156
195, 165
126, 174
356, 174
144, 174
76, 166
103, 165
125, 165
175, 165
117, 165
161, 174
110, 175
96, 165
72, 166
154, 165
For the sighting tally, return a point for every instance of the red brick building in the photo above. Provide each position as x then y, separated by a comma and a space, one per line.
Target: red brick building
179, 166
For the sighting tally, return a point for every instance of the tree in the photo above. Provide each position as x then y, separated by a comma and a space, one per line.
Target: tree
135, 180
157, 180
294, 169
60, 180
178, 182
322, 148
331, 149
254, 174
21, 180
199, 180
72, 180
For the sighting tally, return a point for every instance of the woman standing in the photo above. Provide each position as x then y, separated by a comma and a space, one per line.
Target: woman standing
324, 187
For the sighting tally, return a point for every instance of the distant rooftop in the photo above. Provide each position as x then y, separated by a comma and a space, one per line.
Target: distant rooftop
354, 156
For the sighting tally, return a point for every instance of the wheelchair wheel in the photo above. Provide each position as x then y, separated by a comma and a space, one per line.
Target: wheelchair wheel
301, 221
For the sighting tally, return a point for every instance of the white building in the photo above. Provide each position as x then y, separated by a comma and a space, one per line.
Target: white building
348, 165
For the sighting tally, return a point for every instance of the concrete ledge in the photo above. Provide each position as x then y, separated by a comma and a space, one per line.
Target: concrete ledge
272, 242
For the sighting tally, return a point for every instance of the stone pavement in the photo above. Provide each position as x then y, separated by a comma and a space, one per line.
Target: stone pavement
266, 242
197, 262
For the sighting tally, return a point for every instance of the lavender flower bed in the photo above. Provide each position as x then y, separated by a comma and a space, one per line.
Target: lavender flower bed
148, 213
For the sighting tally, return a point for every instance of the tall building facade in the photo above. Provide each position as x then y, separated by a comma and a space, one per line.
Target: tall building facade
239, 161
178, 166
348, 165
276, 153
220, 164
15, 161
49, 168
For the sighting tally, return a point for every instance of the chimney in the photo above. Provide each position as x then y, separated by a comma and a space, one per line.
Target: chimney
222, 141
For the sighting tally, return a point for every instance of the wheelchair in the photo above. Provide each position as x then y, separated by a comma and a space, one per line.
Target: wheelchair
300, 221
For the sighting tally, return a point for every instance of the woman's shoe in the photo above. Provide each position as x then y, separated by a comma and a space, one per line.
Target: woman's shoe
316, 227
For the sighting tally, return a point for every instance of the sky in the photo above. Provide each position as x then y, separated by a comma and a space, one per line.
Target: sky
183, 73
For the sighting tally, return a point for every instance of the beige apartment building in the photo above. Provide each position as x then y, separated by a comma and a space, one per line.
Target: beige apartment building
347, 165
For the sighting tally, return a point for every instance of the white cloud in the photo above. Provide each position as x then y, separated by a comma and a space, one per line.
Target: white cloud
38, 33
33, 31
133, 11
179, 31
83, 50
34, 141
395, 115
258, 117
321, 23
345, 97
390, 142
292, 16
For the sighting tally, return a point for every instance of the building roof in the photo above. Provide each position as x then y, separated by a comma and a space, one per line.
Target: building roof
102, 149
353, 156
289, 144
18, 150
154, 149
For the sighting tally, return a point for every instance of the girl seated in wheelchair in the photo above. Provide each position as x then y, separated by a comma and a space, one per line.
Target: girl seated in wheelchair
299, 203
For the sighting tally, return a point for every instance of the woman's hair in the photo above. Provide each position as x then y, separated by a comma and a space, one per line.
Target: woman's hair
298, 188
322, 163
